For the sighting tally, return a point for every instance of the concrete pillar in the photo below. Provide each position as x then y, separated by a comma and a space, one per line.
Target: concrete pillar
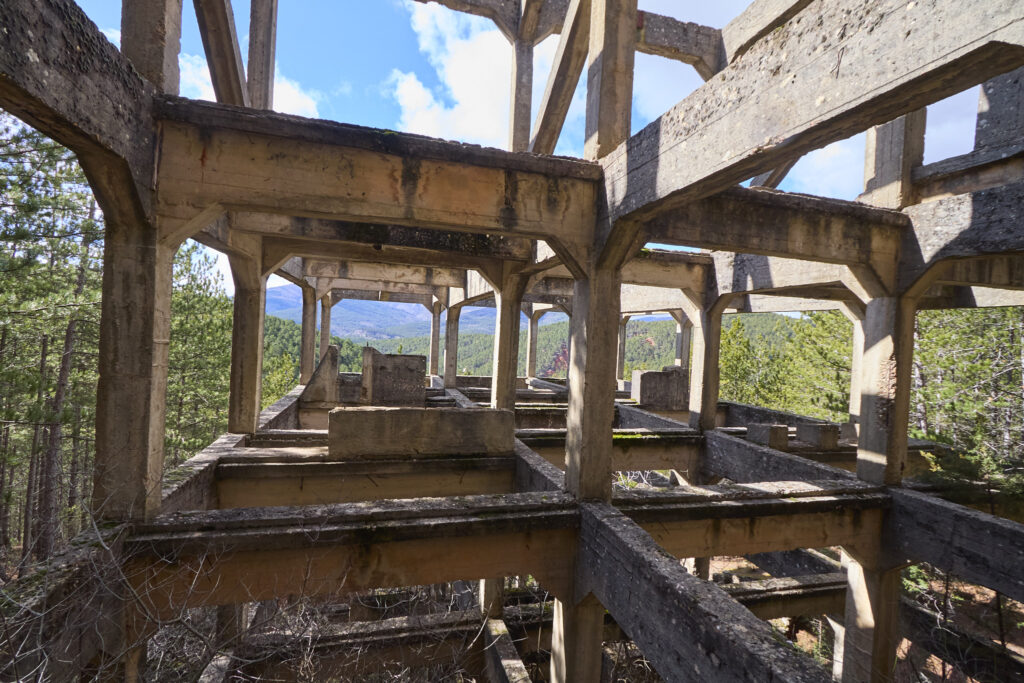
855, 314
435, 338
135, 322
576, 641
591, 411
704, 373
451, 346
492, 597
892, 151
508, 300
620, 359
1000, 111
246, 345
522, 95
872, 632
531, 343
684, 335
326, 304
231, 625
306, 348
262, 46
885, 389
151, 40
609, 75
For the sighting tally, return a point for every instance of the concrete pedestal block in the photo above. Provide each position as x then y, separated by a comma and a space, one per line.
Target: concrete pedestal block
665, 390
393, 380
823, 436
385, 433
773, 436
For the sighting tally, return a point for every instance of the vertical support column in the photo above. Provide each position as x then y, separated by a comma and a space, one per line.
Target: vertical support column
855, 314
522, 95
885, 388
508, 299
246, 344
451, 346
620, 359
576, 639
306, 350
531, 343
684, 334
326, 304
435, 337
609, 75
151, 40
591, 411
872, 620
704, 374
262, 46
135, 325
1000, 110
892, 150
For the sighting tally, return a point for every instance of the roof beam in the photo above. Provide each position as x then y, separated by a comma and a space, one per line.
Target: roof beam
223, 56
699, 46
566, 68
504, 13
375, 270
791, 93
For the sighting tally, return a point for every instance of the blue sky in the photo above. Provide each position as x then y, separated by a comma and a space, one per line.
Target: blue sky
422, 68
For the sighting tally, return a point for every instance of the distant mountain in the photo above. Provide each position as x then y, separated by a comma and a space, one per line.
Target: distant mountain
355, 319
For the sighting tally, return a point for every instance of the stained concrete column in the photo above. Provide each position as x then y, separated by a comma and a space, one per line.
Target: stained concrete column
704, 373
531, 342
326, 304
435, 337
151, 40
262, 46
609, 75
684, 334
872, 633
885, 389
246, 345
855, 314
620, 359
451, 346
135, 322
508, 301
577, 634
306, 348
892, 151
522, 95
592, 385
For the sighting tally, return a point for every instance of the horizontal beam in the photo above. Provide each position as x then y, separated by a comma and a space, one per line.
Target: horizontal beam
748, 273
760, 18
743, 461
693, 631
351, 269
975, 546
699, 46
229, 556
504, 13
272, 163
816, 79
803, 596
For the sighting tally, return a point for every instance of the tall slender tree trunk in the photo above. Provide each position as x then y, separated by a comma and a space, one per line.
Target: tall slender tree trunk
73, 474
27, 536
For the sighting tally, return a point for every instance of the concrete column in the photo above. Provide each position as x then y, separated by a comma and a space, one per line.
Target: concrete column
531, 343
855, 314
135, 322
508, 300
246, 345
451, 346
326, 304
591, 411
435, 337
230, 625
306, 350
704, 373
522, 95
872, 632
684, 334
885, 389
151, 40
492, 597
892, 150
609, 75
620, 359
1000, 111
262, 46
577, 634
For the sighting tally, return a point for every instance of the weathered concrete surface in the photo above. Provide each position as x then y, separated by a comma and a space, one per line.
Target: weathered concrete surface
825, 436
742, 461
382, 433
393, 379
665, 390
774, 436
712, 638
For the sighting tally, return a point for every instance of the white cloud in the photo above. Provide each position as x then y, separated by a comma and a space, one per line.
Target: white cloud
289, 96
195, 78
472, 61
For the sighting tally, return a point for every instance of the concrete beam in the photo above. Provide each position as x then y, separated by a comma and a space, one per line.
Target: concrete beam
565, 74
742, 461
351, 269
280, 164
760, 18
694, 631
223, 56
791, 93
699, 46
262, 49
504, 13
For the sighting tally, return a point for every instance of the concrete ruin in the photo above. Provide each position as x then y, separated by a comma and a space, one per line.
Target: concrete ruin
285, 505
